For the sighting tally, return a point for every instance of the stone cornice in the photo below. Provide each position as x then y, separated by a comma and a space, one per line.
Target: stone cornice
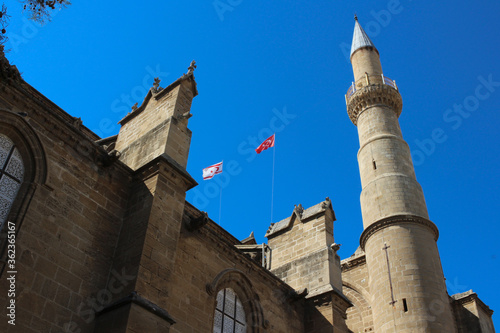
470, 297
152, 168
396, 220
330, 296
349, 263
211, 230
158, 95
302, 215
43, 113
142, 302
189, 77
53, 110
373, 95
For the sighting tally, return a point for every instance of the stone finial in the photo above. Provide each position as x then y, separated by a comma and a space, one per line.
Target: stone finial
134, 107
299, 209
326, 203
191, 68
156, 86
77, 122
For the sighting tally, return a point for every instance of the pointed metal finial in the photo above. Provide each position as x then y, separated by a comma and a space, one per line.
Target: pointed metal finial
355, 17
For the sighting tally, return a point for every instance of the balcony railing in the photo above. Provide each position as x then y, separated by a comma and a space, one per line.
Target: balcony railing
352, 89
390, 82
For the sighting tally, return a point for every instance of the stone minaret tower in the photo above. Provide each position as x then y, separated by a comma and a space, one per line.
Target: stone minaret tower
407, 286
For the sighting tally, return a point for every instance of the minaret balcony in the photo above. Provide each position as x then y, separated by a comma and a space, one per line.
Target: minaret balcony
368, 80
372, 90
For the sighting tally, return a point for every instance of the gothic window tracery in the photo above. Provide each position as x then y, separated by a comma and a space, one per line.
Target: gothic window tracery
11, 175
229, 313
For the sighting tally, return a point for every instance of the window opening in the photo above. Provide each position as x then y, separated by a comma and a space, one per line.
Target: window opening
229, 313
11, 176
405, 306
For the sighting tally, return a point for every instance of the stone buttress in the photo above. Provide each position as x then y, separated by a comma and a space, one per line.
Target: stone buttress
154, 142
304, 255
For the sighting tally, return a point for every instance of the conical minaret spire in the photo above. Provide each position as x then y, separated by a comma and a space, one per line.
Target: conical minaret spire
360, 39
406, 281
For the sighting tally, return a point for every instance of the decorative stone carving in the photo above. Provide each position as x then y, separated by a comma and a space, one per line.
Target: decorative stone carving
335, 247
191, 68
156, 86
299, 209
352, 263
77, 122
195, 223
185, 115
295, 295
327, 203
107, 160
372, 95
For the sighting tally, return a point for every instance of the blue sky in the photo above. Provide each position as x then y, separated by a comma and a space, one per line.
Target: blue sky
282, 65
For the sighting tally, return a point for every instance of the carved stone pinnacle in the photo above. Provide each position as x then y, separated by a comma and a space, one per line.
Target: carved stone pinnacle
191, 67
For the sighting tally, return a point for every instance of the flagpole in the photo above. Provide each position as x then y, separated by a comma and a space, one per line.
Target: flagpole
272, 183
220, 206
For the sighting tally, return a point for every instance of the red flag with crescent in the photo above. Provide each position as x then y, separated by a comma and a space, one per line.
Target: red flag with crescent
268, 143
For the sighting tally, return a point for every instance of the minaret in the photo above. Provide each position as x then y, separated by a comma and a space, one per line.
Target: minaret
407, 286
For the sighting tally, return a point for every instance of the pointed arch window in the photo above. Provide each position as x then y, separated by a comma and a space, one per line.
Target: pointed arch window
229, 313
11, 175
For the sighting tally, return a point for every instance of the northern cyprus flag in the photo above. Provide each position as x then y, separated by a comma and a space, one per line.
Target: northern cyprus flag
211, 171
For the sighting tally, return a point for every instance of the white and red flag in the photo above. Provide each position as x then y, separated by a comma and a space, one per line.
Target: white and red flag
211, 171
268, 143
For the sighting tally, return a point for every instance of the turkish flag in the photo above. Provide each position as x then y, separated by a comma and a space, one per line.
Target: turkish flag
268, 143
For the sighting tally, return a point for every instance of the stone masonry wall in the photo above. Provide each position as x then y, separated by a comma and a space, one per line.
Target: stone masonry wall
356, 289
201, 256
159, 126
68, 234
302, 256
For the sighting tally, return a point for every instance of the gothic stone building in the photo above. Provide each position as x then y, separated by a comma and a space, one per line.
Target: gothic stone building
106, 242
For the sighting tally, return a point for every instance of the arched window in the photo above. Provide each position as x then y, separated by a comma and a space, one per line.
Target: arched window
229, 313
11, 175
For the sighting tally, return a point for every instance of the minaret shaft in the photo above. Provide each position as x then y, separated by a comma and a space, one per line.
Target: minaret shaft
366, 61
398, 235
387, 176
